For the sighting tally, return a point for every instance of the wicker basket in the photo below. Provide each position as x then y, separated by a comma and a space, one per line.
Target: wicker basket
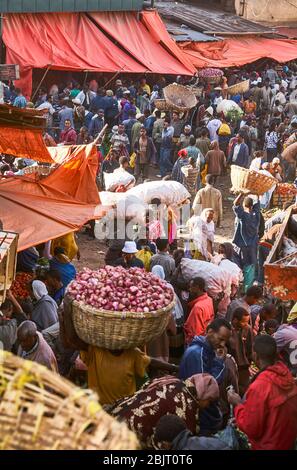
239, 88
161, 105
250, 181
179, 97
117, 330
211, 75
39, 410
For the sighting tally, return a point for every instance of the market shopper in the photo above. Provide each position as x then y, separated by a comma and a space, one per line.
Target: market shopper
215, 161
246, 236
163, 258
209, 197
45, 311
145, 154
201, 310
166, 149
33, 347
68, 135
268, 415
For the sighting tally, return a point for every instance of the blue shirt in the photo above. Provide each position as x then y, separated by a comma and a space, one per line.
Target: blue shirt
20, 102
65, 114
200, 358
246, 226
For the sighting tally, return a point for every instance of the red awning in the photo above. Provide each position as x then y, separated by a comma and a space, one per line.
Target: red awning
61, 41
236, 52
143, 43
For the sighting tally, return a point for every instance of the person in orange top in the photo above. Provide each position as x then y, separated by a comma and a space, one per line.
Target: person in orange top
202, 312
250, 106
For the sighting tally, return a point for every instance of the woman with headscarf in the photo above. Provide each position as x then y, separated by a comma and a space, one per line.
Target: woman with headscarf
159, 347
45, 311
162, 396
177, 174
62, 263
198, 235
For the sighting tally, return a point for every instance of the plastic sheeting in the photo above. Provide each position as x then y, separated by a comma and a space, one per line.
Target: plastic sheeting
61, 41
56, 205
144, 40
236, 52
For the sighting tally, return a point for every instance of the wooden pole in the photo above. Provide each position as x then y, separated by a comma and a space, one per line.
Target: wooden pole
41, 82
114, 76
101, 134
86, 76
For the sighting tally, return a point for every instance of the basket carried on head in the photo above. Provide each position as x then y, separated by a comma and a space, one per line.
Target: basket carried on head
239, 88
40, 410
118, 330
179, 97
250, 181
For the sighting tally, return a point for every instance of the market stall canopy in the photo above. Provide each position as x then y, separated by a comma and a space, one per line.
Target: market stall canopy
40, 210
74, 41
21, 133
236, 52
144, 40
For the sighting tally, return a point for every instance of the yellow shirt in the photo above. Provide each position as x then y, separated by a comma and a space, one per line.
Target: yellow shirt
146, 88
114, 377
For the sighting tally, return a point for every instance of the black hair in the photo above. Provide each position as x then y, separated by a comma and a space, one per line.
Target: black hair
239, 313
217, 324
55, 274
268, 308
265, 348
162, 243
192, 140
229, 250
209, 179
168, 428
248, 202
167, 119
7, 304
255, 291
198, 282
271, 323
158, 113
59, 250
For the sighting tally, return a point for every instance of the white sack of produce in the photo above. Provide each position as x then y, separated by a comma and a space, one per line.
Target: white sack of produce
217, 279
228, 105
117, 178
169, 192
125, 205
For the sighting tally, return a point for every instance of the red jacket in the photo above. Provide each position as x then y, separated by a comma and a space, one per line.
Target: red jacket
201, 315
68, 137
269, 414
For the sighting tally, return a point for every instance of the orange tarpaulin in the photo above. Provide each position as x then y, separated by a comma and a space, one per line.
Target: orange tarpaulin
235, 52
142, 41
24, 143
61, 41
56, 205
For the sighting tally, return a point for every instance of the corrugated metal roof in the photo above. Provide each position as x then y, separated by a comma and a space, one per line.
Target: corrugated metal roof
181, 33
44, 6
209, 21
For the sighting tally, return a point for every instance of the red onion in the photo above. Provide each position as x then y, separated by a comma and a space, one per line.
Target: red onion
118, 289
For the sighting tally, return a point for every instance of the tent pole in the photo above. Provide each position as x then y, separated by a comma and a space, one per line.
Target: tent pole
86, 76
114, 76
41, 82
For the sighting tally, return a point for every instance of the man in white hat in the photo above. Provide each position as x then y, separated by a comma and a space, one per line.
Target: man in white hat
128, 258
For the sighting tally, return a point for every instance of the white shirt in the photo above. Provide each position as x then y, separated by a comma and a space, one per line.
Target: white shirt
212, 127
82, 96
236, 152
46, 105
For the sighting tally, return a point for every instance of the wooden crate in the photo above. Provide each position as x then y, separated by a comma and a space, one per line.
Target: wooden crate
8, 252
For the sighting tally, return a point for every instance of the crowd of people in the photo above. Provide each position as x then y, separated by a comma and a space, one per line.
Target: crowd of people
221, 355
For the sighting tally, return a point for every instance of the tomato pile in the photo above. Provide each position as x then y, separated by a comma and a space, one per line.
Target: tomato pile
286, 188
19, 287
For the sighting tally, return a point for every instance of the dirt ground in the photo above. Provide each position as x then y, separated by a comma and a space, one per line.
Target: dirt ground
93, 251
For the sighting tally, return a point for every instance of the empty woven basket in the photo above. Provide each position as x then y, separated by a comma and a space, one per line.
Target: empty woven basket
179, 97
39, 410
250, 181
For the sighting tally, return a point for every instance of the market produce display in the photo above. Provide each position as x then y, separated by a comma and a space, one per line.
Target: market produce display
118, 289
286, 188
210, 73
19, 287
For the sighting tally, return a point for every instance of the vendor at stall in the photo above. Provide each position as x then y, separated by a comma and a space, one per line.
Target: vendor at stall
128, 258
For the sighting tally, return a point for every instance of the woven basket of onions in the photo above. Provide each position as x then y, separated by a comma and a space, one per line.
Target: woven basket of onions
116, 308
